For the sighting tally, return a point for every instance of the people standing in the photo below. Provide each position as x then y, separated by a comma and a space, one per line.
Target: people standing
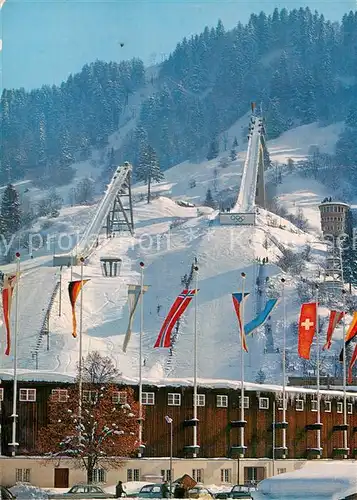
165, 490
119, 490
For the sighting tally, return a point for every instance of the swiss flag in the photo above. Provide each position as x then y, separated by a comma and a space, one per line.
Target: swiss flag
307, 328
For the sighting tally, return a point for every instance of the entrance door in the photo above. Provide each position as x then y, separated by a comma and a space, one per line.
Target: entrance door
61, 478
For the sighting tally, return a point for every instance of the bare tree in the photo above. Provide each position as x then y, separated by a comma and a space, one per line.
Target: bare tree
85, 191
98, 369
106, 430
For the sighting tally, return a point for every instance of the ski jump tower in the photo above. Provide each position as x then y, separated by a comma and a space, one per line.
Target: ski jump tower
252, 188
114, 214
334, 221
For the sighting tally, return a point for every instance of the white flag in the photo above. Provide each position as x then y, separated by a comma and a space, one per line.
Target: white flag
133, 300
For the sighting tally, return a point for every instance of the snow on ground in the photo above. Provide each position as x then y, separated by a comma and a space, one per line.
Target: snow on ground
305, 193
34, 296
326, 480
295, 143
223, 253
168, 237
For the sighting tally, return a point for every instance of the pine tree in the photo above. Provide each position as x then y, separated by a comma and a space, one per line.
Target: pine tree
349, 255
111, 160
235, 143
261, 377
209, 201
233, 154
10, 211
213, 151
148, 169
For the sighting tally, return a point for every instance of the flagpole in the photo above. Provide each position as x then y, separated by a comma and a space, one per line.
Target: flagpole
80, 361
141, 359
345, 442
284, 367
242, 373
60, 293
14, 400
195, 345
318, 371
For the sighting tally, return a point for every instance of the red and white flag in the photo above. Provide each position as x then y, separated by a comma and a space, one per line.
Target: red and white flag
307, 328
7, 292
177, 309
335, 318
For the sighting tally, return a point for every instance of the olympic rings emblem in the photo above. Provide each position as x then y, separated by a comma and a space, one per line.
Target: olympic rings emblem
237, 218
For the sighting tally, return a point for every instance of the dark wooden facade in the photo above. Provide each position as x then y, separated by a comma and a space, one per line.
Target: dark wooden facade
218, 435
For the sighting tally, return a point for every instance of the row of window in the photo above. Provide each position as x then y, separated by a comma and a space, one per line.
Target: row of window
327, 406
197, 475
61, 395
174, 399
333, 208
333, 219
24, 475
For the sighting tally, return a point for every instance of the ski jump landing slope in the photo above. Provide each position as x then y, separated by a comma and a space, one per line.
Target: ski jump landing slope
35, 290
246, 197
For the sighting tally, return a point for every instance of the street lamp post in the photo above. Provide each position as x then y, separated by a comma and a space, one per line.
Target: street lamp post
169, 421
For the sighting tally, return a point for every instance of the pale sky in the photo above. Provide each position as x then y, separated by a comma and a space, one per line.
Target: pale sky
46, 40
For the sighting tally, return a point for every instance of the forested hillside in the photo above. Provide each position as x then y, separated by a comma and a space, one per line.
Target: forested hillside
43, 129
301, 67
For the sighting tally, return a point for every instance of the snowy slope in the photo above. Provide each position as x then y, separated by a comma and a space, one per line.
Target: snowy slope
168, 237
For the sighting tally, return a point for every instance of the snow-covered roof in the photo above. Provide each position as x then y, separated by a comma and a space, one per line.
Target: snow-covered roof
48, 376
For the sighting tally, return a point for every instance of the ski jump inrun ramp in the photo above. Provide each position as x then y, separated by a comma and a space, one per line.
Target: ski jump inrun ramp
252, 188
111, 205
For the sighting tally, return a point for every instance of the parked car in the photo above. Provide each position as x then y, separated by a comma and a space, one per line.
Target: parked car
6, 494
200, 492
82, 491
149, 491
239, 491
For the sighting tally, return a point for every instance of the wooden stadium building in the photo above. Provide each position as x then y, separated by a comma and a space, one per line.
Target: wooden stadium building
218, 419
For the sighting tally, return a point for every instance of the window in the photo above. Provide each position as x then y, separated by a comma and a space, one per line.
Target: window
23, 475
119, 398
222, 402
27, 395
313, 405
60, 395
327, 405
281, 471
253, 475
339, 407
174, 399
166, 474
99, 476
132, 475
201, 401
226, 475
349, 408
280, 403
299, 405
1, 394
148, 398
197, 475
263, 403
246, 402
91, 396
